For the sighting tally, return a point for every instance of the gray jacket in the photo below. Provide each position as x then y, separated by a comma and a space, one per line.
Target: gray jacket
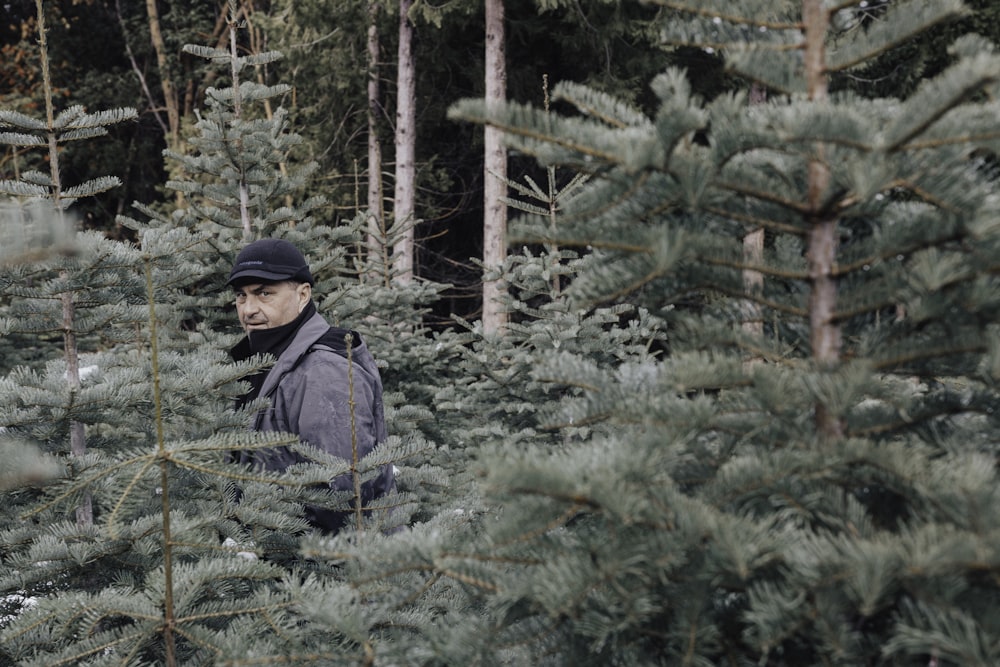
310, 389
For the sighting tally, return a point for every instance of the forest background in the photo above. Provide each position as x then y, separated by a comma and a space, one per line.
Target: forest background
740, 409
325, 63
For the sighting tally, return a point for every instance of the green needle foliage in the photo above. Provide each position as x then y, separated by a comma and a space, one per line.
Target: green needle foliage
173, 568
630, 475
822, 491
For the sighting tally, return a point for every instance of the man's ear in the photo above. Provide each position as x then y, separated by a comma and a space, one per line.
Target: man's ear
304, 293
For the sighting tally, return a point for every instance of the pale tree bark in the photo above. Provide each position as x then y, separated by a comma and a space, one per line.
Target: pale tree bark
753, 254
376, 238
495, 172
170, 99
825, 335
258, 44
244, 186
406, 140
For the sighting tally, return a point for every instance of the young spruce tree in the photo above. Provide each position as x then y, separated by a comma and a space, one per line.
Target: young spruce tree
823, 492
171, 570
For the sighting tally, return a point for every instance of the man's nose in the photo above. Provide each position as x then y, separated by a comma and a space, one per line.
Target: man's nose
251, 304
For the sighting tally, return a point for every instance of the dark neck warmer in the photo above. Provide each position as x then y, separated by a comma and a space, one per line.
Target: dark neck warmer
267, 341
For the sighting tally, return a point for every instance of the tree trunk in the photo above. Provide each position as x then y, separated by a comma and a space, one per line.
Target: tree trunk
376, 240
406, 139
494, 173
77, 432
244, 186
824, 336
753, 254
166, 82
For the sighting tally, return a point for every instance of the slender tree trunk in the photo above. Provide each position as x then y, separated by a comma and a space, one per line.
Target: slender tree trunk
376, 239
494, 173
753, 254
77, 432
166, 82
406, 139
169, 613
244, 186
258, 44
753, 282
140, 75
825, 336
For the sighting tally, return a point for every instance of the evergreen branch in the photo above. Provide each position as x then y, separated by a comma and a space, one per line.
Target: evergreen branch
925, 353
431, 568
127, 492
81, 134
242, 611
530, 190
862, 146
276, 627
723, 46
635, 186
92, 187
43, 621
83, 483
755, 221
776, 306
769, 68
705, 9
470, 580
102, 611
21, 139
936, 98
756, 298
845, 268
314, 658
495, 558
197, 640
952, 140
419, 592
207, 52
905, 422
599, 105
562, 519
16, 119
76, 118
135, 639
222, 472
765, 269
899, 25
590, 420
798, 206
470, 111
22, 189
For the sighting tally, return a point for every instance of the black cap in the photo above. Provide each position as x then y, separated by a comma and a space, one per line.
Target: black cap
270, 260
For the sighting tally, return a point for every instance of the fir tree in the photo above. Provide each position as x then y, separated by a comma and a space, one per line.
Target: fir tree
834, 502
173, 570
147, 578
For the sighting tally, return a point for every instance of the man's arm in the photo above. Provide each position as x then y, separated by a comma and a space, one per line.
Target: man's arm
328, 412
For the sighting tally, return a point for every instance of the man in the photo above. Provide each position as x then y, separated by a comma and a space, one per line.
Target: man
319, 373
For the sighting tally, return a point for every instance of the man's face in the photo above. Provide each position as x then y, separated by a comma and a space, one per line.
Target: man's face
267, 305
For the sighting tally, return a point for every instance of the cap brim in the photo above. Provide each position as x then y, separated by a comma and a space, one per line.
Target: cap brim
252, 274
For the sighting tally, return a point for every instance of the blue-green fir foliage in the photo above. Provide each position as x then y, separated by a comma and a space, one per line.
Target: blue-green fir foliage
181, 557
686, 449
808, 476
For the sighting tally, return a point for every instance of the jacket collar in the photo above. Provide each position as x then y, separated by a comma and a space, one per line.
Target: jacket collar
307, 334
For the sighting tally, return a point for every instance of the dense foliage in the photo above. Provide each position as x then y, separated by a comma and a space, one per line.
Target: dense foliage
687, 448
